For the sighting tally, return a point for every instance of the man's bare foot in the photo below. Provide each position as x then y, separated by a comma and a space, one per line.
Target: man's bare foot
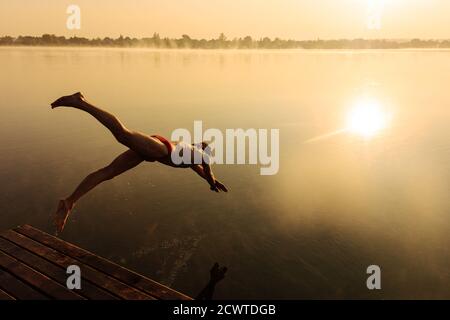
61, 215
73, 100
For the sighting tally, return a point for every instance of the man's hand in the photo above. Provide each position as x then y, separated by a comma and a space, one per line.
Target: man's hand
205, 172
221, 186
218, 186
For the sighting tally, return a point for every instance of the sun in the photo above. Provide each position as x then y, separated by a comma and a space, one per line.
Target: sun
367, 119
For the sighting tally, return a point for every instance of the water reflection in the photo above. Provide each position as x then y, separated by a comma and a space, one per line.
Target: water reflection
367, 118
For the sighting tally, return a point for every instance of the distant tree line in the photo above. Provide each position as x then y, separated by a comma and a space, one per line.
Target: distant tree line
222, 42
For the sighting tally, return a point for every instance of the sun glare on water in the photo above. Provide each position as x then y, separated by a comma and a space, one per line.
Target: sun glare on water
367, 119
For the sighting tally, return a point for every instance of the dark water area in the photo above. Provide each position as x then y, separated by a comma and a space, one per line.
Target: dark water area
340, 202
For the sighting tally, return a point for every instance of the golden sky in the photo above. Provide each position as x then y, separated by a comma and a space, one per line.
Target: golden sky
296, 19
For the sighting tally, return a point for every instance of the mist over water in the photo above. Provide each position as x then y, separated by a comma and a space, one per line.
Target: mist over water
337, 205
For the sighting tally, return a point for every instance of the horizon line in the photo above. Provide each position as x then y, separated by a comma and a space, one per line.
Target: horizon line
227, 38
222, 42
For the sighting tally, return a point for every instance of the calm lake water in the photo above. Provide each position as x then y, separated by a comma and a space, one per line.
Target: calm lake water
339, 203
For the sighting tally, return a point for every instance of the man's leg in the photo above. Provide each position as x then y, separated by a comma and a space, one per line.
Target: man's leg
126, 161
144, 145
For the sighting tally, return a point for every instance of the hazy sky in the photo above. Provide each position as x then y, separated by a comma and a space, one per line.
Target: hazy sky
298, 19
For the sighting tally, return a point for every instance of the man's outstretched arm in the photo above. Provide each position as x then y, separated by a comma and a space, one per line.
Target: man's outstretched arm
205, 172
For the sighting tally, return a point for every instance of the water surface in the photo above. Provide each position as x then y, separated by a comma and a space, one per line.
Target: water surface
337, 205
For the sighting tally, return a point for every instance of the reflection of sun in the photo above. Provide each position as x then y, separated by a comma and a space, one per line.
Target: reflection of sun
366, 119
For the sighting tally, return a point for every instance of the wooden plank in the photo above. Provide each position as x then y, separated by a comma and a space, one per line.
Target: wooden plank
52, 271
127, 276
5, 296
19, 289
36, 279
96, 277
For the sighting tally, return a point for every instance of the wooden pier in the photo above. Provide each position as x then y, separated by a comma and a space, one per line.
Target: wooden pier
33, 266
